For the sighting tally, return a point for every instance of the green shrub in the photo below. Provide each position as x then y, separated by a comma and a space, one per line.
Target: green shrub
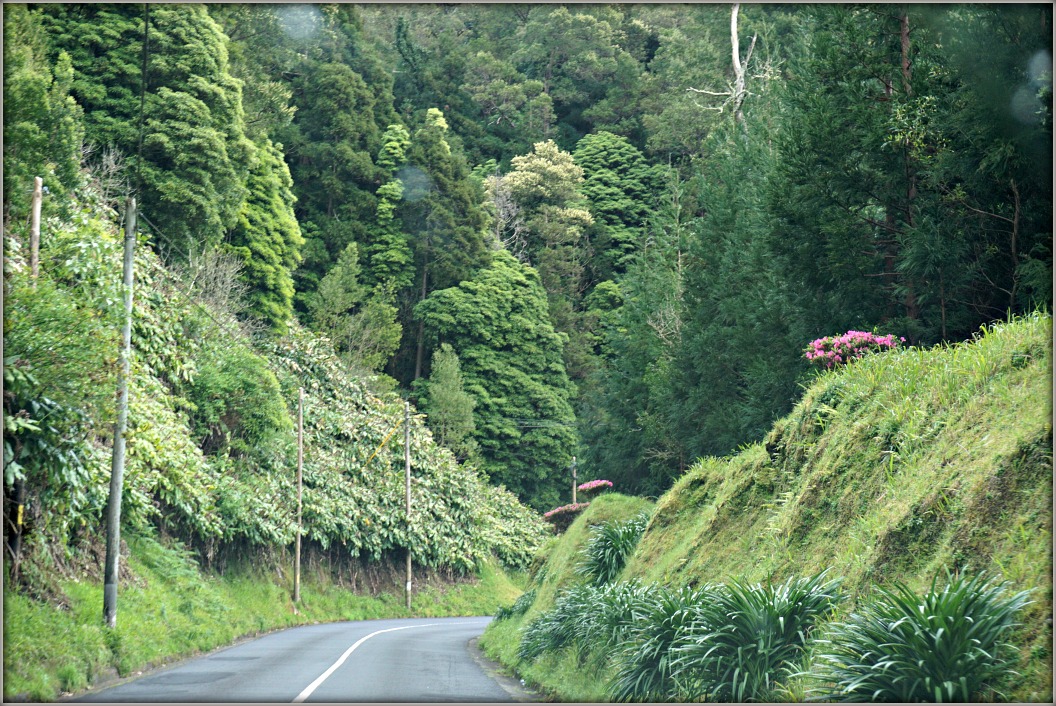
237, 400
945, 646
609, 546
749, 635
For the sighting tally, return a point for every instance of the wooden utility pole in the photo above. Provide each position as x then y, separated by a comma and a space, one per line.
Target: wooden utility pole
407, 483
34, 271
117, 467
300, 470
574, 488
34, 228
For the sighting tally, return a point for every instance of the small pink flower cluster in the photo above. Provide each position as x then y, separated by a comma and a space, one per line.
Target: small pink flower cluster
835, 350
594, 485
565, 508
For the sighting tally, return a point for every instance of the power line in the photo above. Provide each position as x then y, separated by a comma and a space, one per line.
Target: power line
537, 423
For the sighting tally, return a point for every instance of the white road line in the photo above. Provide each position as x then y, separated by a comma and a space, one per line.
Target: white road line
323, 677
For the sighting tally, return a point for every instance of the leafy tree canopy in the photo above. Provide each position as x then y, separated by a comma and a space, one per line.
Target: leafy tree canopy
497, 324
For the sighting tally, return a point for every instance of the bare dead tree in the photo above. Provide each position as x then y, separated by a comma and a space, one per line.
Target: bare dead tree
507, 225
737, 91
106, 173
213, 279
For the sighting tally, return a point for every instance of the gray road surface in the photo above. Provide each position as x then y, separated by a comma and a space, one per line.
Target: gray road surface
418, 660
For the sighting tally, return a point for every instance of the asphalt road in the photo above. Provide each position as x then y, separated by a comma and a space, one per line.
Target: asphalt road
417, 660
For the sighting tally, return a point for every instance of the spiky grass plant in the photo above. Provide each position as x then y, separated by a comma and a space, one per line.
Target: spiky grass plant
619, 610
609, 546
559, 626
644, 662
518, 607
945, 646
597, 617
749, 635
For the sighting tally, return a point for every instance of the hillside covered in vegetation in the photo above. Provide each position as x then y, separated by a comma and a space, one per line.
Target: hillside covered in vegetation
894, 470
210, 469
587, 239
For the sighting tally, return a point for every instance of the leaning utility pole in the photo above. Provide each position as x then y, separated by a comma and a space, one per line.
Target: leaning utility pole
117, 468
300, 467
407, 480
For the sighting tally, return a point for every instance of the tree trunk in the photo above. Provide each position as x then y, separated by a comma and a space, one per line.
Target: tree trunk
906, 73
740, 91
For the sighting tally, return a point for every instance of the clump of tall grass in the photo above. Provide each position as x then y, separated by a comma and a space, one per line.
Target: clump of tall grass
749, 635
557, 627
519, 606
735, 642
597, 616
645, 664
945, 646
619, 609
609, 546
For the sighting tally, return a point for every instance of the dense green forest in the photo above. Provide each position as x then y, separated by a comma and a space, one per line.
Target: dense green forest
601, 232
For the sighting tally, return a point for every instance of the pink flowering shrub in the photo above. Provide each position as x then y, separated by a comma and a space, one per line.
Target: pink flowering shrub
831, 351
594, 486
562, 517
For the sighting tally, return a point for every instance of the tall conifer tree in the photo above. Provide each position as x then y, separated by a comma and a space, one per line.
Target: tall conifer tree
180, 125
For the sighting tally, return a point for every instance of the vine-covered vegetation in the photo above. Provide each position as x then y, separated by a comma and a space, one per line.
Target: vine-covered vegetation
211, 433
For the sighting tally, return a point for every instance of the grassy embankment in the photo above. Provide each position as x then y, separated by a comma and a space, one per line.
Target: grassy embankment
896, 468
169, 609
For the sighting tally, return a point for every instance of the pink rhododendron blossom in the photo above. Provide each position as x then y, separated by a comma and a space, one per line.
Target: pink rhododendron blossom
565, 508
833, 350
594, 485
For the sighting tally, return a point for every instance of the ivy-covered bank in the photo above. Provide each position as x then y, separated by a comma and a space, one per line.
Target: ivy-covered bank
212, 439
211, 433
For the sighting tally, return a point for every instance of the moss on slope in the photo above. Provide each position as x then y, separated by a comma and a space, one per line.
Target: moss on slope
896, 468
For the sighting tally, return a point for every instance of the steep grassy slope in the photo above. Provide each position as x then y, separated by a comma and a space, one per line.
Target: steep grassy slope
562, 676
895, 468
888, 470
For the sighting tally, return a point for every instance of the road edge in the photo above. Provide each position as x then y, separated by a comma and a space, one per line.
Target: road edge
514, 687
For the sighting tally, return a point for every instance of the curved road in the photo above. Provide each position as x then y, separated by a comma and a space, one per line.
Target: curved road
426, 659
